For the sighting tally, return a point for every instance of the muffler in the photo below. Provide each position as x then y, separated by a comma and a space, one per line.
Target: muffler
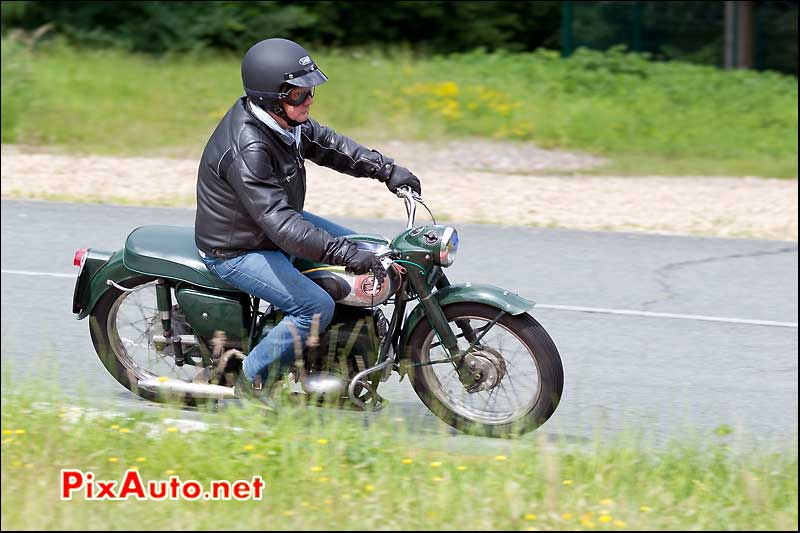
184, 388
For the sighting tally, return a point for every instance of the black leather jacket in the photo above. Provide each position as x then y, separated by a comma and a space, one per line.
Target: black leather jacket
251, 187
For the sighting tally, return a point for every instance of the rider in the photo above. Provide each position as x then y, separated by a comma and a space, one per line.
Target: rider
251, 188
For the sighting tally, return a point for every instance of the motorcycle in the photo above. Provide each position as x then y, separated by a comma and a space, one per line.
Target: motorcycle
164, 326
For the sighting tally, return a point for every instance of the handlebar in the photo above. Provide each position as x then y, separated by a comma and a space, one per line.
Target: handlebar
410, 198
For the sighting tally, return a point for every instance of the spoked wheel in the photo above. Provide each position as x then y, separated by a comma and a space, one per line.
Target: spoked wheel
128, 337
514, 374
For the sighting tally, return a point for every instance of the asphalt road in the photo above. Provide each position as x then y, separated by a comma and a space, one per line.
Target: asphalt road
662, 334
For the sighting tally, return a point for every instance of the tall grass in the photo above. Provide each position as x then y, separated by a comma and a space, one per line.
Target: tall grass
649, 117
327, 470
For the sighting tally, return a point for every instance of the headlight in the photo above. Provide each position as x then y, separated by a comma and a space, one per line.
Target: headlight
449, 247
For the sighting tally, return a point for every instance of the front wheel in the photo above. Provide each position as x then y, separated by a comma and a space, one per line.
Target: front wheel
516, 376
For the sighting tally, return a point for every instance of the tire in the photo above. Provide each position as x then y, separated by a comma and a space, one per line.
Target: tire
455, 405
114, 353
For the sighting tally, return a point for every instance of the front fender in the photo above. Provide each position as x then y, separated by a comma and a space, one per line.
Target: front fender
92, 290
497, 297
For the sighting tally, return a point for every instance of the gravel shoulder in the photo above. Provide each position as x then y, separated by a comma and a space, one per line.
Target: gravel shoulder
463, 181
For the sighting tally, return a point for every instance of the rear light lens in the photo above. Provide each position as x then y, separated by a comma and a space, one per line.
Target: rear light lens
80, 257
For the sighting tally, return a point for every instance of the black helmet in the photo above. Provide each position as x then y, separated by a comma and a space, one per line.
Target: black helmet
272, 63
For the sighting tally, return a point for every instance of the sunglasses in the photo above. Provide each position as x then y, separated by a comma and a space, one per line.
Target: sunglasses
296, 95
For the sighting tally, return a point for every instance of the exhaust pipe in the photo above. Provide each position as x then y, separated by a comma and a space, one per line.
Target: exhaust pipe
178, 387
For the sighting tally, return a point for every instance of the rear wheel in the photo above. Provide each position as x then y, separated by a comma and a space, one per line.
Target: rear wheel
516, 376
128, 337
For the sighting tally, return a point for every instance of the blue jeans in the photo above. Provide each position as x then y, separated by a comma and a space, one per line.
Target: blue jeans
270, 276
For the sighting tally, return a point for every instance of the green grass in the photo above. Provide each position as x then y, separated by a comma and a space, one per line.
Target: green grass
325, 470
648, 117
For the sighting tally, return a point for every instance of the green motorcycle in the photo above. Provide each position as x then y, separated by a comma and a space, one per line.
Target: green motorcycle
165, 327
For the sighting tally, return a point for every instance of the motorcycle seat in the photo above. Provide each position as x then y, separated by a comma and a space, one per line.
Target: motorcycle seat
170, 252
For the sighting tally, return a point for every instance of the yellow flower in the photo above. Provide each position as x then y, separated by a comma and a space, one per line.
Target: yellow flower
115, 426
606, 502
249, 447
19, 431
322, 441
112, 459
260, 456
169, 472
8, 432
567, 482
605, 518
288, 513
172, 429
305, 504
644, 508
140, 459
500, 457
619, 523
437, 479
448, 88
472, 106
316, 469
587, 522
124, 430
369, 488
530, 516
462, 468
407, 461
566, 516
323, 479
436, 464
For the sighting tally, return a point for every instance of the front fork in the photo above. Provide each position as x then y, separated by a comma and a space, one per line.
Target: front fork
440, 325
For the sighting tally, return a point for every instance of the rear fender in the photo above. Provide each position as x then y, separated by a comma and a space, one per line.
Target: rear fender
99, 268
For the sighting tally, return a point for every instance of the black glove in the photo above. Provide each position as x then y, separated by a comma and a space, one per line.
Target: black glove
360, 261
402, 176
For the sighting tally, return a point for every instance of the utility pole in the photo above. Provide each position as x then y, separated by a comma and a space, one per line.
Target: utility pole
739, 34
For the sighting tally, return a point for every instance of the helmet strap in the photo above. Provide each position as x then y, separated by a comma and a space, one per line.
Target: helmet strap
277, 108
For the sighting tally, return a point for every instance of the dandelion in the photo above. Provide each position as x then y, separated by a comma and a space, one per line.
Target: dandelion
112, 459
436, 464
124, 430
407, 461
141, 459
172, 429
644, 508
619, 523
462, 468
288, 513
8, 432
606, 502
605, 518
369, 488
566, 516
323, 479
567, 482
249, 447
169, 472
322, 441
500, 457
115, 426
530, 516
316, 469
19, 431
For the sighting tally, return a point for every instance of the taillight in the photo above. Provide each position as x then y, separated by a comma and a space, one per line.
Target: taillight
80, 257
